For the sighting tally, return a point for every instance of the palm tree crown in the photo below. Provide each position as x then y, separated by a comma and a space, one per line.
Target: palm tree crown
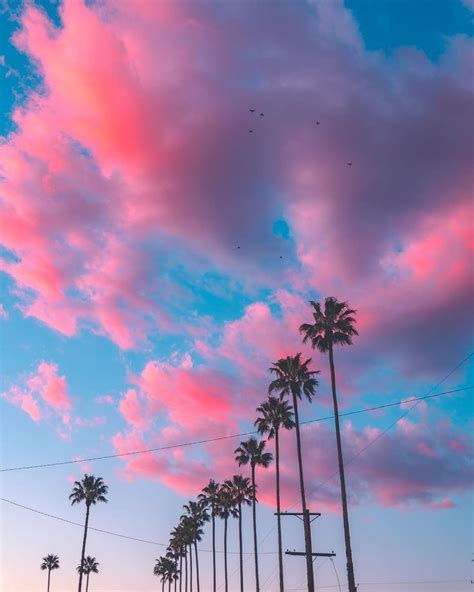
252, 452
90, 566
274, 414
50, 562
89, 490
240, 489
293, 377
334, 326
210, 495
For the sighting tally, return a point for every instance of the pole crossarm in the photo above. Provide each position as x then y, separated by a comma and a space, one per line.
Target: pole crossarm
302, 553
300, 514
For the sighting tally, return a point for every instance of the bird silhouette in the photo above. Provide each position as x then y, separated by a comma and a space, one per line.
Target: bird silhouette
252, 110
238, 247
349, 164
281, 256
250, 131
317, 123
261, 114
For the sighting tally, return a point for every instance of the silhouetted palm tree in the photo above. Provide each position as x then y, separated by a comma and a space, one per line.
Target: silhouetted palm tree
199, 515
90, 566
160, 571
50, 562
89, 490
241, 491
334, 326
294, 379
226, 508
274, 415
177, 549
252, 452
210, 497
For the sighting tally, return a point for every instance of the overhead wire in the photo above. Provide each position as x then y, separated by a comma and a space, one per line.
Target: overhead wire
79, 459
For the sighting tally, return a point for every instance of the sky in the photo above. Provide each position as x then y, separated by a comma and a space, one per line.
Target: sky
156, 258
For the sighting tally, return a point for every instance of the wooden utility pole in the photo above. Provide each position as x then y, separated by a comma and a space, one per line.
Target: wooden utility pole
309, 518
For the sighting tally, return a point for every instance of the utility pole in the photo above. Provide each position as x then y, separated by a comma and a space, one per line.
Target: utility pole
309, 517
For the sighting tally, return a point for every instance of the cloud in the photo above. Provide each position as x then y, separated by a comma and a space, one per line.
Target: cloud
420, 463
3, 313
44, 392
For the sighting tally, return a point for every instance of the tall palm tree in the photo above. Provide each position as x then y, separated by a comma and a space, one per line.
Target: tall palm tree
253, 452
334, 326
241, 490
274, 415
50, 562
160, 571
226, 508
294, 379
210, 497
89, 490
89, 566
176, 547
199, 515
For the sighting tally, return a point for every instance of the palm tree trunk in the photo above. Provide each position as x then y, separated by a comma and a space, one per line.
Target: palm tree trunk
87, 583
213, 548
84, 546
169, 585
241, 550
190, 568
280, 545
49, 577
185, 569
180, 571
163, 584
255, 543
226, 580
197, 566
340, 460
306, 522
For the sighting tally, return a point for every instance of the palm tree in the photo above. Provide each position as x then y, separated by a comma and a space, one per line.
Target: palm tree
226, 508
177, 547
89, 566
89, 490
160, 571
50, 562
210, 497
199, 515
252, 452
293, 378
241, 491
276, 414
334, 326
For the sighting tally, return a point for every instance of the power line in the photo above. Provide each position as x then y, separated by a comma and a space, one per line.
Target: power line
394, 423
219, 438
116, 534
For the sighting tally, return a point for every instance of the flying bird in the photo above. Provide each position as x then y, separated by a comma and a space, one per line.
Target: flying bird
261, 114
317, 123
349, 164
252, 110
250, 131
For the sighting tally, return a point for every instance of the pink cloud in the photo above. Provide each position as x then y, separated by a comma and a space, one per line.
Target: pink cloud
43, 391
3, 312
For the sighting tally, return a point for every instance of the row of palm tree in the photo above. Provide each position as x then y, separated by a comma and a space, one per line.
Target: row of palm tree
293, 381
332, 325
51, 562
